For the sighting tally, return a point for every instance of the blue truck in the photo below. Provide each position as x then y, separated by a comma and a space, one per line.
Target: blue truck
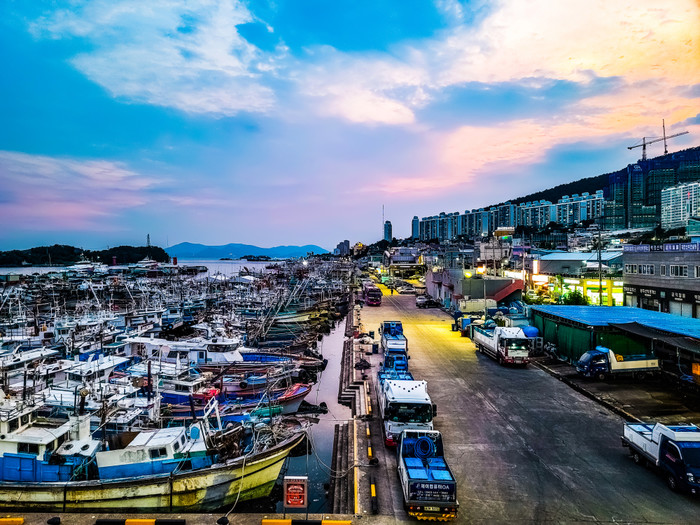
673, 449
428, 485
393, 339
603, 362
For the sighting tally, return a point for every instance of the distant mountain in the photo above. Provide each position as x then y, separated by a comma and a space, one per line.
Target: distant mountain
188, 250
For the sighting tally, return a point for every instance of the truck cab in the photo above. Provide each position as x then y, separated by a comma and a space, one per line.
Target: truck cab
428, 485
602, 362
674, 449
404, 404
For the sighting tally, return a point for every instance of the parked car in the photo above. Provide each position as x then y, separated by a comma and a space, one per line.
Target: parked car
421, 301
406, 289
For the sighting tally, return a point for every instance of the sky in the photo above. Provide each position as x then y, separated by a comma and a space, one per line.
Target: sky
294, 122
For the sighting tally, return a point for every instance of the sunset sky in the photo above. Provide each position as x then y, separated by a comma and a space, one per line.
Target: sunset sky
293, 122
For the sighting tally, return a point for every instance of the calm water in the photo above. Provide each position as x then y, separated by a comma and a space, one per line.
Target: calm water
214, 267
318, 463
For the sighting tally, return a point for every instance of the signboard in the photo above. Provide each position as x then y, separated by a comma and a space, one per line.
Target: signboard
295, 492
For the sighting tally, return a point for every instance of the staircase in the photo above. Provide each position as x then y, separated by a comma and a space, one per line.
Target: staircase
501, 294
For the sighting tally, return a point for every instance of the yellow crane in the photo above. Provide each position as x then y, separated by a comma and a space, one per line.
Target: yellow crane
652, 140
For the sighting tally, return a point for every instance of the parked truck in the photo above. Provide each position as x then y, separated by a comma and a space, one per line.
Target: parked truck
429, 487
393, 339
505, 344
404, 404
603, 362
673, 449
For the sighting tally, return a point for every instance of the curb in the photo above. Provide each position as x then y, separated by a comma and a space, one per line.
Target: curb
617, 410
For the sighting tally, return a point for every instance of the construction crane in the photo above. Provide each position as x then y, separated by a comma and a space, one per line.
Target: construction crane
652, 140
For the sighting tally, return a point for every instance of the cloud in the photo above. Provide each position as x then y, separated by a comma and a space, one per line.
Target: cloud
51, 193
526, 42
186, 55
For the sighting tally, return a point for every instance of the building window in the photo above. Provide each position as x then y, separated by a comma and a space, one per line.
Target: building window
697, 271
677, 270
646, 269
663, 269
630, 268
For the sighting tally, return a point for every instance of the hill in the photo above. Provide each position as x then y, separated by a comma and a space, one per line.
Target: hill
64, 255
188, 250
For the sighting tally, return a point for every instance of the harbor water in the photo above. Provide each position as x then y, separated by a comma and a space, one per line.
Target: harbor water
317, 464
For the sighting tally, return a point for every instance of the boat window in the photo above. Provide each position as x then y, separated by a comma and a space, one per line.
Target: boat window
182, 440
28, 448
13, 425
158, 453
176, 446
25, 419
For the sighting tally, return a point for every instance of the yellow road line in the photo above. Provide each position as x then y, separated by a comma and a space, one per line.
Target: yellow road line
354, 434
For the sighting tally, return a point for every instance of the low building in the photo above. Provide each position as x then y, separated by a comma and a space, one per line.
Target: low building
664, 278
560, 273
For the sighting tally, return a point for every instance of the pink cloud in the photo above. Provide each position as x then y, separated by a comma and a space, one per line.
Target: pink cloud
58, 193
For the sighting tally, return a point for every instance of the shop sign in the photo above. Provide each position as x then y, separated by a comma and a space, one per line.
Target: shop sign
295, 492
596, 283
656, 248
572, 281
635, 248
631, 290
649, 292
680, 247
678, 296
696, 297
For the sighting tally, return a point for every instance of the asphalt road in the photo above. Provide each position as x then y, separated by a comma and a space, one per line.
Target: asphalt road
524, 447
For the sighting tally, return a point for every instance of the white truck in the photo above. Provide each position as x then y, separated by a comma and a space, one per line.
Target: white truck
505, 344
404, 405
673, 449
428, 485
603, 362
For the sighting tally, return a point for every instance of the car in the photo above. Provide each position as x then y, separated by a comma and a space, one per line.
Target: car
406, 289
425, 301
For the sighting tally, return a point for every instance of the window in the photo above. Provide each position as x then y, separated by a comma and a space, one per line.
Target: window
646, 269
14, 424
662, 269
630, 268
676, 270
27, 448
158, 453
697, 271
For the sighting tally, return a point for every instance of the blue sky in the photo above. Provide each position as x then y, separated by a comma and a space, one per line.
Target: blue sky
282, 122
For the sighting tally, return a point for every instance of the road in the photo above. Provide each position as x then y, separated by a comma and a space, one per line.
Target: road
524, 447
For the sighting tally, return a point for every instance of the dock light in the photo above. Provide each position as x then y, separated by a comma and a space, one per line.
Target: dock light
468, 275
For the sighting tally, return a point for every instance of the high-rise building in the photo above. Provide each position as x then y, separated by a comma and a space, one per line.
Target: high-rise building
678, 204
415, 227
388, 236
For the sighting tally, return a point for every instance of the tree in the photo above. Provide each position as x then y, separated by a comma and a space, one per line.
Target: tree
576, 298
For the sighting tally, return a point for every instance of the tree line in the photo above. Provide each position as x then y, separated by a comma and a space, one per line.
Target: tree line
64, 255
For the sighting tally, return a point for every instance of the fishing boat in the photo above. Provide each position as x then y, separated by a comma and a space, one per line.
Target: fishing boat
166, 470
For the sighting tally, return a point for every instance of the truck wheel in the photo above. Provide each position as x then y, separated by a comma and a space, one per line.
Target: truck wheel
672, 482
600, 376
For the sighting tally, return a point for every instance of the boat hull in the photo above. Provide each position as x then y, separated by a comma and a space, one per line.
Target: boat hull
207, 489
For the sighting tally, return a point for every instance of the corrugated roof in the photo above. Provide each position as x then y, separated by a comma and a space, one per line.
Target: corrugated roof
581, 256
611, 315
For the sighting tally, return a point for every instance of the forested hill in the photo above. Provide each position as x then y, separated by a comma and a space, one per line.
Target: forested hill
590, 185
63, 255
